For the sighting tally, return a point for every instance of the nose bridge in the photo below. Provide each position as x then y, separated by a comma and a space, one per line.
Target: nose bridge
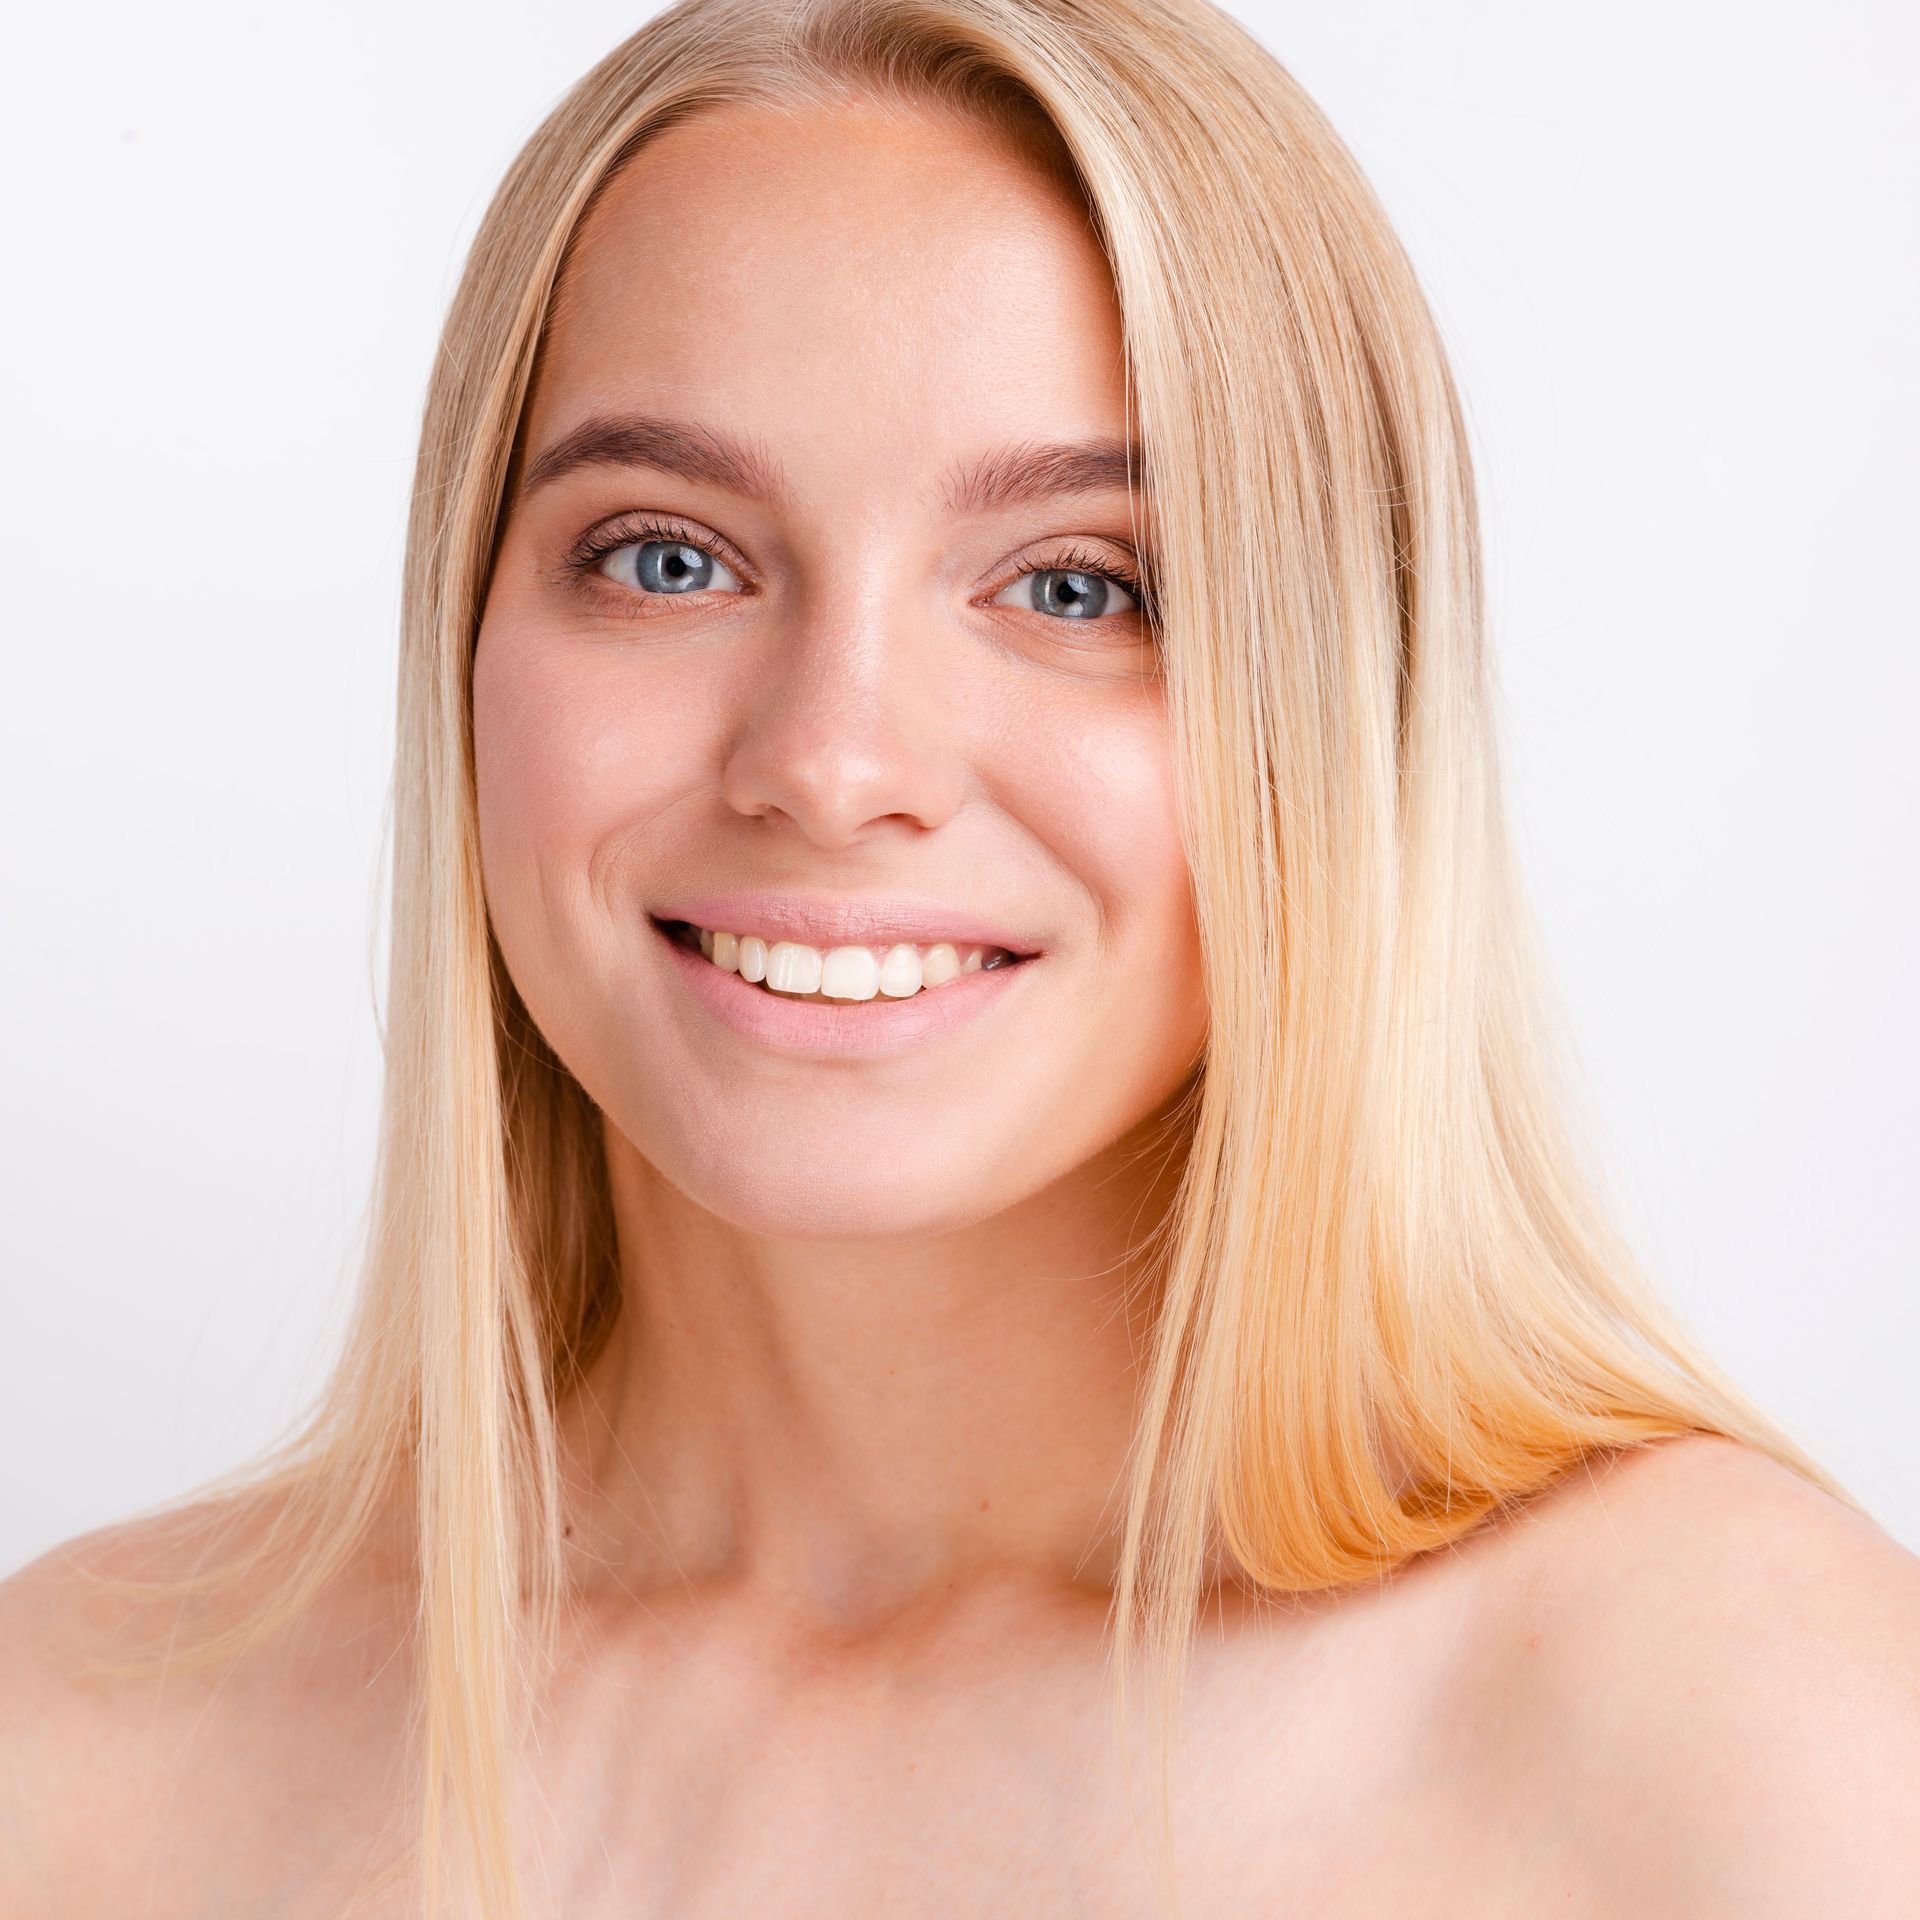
844, 722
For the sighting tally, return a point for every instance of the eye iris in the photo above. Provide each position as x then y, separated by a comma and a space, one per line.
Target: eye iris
1080, 596
671, 566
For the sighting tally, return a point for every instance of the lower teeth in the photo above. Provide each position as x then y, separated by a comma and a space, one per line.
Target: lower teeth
690, 941
828, 1000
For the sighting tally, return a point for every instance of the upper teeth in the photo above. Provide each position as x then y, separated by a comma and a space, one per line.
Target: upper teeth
845, 973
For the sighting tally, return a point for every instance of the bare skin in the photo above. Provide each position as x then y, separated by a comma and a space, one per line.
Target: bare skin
843, 1516
875, 1344
1681, 1684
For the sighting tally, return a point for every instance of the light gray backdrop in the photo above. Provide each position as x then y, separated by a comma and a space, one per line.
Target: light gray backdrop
1673, 247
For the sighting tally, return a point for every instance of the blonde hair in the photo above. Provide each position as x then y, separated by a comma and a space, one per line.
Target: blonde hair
1390, 1298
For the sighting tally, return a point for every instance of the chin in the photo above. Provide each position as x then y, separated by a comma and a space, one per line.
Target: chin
799, 1192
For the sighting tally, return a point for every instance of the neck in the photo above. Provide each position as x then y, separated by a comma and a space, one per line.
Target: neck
853, 1427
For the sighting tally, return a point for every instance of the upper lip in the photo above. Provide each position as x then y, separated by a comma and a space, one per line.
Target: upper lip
845, 920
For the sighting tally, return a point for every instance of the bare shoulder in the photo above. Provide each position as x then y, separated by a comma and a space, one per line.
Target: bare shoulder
123, 1758
40, 1745
71, 1742
1711, 1677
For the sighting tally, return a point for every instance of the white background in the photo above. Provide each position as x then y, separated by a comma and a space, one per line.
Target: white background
1673, 248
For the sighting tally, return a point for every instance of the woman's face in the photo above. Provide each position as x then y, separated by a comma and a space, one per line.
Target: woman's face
773, 654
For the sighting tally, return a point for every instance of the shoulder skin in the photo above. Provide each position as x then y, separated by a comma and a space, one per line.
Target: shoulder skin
1711, 1676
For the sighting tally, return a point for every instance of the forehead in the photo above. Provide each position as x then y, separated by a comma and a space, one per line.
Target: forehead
865, 285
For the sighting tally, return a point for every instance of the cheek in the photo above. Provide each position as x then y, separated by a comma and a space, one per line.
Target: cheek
1108, 808
572, 764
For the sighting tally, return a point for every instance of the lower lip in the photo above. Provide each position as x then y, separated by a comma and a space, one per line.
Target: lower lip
853, 1027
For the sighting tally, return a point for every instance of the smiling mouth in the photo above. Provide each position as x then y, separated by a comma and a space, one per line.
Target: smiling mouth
841, 976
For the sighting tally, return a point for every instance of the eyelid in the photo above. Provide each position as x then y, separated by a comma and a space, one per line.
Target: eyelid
641, 524
1071, 553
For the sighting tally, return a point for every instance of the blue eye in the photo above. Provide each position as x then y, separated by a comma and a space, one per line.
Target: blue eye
665, 564
1075, 593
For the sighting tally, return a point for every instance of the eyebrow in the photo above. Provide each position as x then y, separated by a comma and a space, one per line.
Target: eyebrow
1008, 476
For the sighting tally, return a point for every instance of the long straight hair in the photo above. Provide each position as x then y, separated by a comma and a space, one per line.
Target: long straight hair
1390, 1297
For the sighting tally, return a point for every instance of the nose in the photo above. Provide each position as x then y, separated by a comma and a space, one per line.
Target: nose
851, 720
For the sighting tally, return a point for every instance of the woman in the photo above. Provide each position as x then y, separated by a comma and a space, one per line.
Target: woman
966, 1101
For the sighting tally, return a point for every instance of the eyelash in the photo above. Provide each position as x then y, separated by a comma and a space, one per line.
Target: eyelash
586, 556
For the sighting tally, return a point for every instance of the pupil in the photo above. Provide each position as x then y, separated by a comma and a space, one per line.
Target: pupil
673, 568
1081, 596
